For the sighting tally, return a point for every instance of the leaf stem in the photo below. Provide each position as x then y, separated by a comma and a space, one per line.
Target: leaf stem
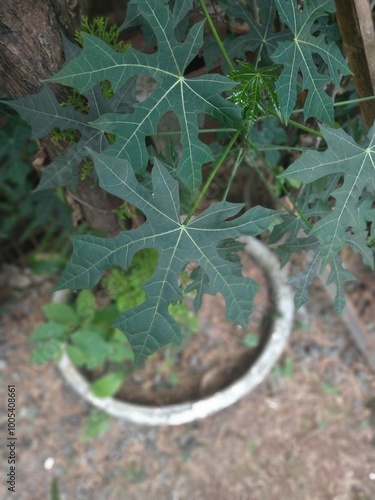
216, 35
211, 176
335, 104
305, 128
269, 187
283, 148
201, 131
232, 175
343, 103
265, 181
354, 101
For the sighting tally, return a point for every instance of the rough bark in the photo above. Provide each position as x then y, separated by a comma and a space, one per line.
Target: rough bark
31, 50
358, 41
366, 25
30, 43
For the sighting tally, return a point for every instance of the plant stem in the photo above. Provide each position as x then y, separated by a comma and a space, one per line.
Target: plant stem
283, 148
343, 103
234, 171
267, 184
216, 35
305, 128
335, 104
354, 101
201, 131
211, 176
265, 181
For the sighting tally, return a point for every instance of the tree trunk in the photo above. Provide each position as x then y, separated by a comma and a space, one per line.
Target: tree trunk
31, 50
357, 32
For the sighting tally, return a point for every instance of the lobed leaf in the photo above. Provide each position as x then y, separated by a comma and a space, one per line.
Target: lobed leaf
43, 113
261, 36
187, 97
356, 164
255, 92
296, 56
303, 280
338, 275
149, 325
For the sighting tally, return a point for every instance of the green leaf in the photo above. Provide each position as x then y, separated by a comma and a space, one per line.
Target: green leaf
181, 8
358, 243
92, 345
366, 214
134, 18
149, 325
120, 352
104, 318
227, 249
290, 228
98, 26
43, 113
14, 142
47, 331
296, 55
251, 340
261, 36
76, 355
124, 287
187, 97
45, 352
107, 385
97, 423
356, 163
61, 313
256, 91
303, 280
338, 275
86, 305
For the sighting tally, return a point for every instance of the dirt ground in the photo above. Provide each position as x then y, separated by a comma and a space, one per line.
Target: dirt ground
307, 432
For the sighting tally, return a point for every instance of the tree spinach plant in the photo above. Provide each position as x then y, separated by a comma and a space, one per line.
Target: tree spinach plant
268, 68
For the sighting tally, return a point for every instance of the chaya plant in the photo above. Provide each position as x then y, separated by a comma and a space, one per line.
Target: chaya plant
268, 69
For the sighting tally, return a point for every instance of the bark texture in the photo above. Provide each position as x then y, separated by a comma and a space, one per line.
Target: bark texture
357, 32
31, 50
30, 43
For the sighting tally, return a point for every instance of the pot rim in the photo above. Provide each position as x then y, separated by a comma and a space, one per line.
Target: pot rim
182, 413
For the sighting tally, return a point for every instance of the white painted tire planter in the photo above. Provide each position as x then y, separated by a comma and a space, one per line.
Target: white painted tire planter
182, 413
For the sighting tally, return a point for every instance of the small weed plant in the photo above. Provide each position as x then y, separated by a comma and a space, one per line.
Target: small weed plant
264, 84
85, 330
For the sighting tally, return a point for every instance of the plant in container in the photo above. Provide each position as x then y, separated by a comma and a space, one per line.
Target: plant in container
276, 73
97, 359
83, 329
